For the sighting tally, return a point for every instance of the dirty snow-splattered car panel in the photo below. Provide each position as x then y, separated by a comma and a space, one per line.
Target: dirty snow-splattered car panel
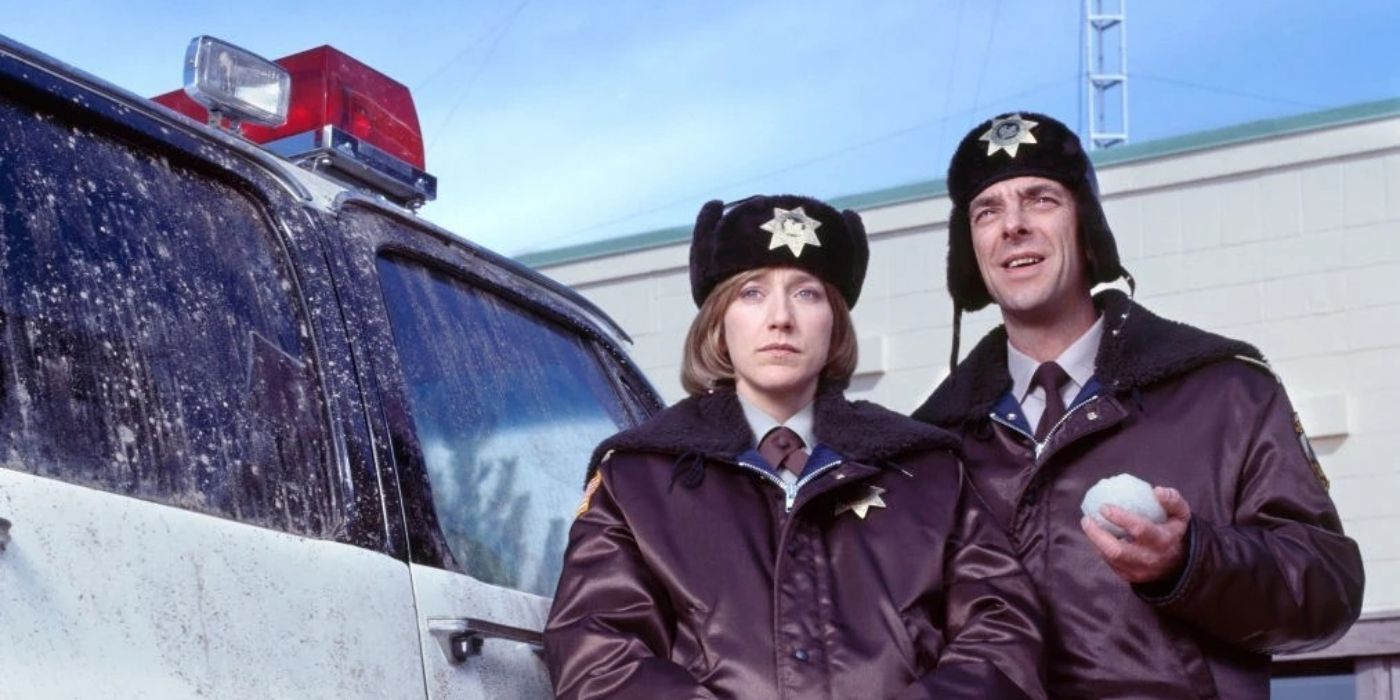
492, 398
265, 441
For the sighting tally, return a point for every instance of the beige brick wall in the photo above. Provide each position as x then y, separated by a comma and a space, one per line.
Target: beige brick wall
1290, 242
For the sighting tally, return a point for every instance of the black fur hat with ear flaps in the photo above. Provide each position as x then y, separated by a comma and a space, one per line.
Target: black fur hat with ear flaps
1018, 144
782, 230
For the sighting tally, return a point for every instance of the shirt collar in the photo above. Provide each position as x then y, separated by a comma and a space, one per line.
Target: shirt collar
1077, 361
760, 423
1021, 367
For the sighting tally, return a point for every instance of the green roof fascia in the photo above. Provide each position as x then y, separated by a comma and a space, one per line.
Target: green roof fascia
1249, 131
630, 243
1174, 145
661, 238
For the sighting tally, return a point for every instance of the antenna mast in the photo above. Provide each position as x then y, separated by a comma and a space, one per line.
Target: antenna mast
1106, 54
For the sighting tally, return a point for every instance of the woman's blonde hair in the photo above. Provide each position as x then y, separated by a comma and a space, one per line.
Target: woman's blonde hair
705, 361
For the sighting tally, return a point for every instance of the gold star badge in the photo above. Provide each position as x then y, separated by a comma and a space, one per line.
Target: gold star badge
861, 506
792, 228
1008, 134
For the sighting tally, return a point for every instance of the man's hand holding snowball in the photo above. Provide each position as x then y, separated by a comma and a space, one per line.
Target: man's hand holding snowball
1150, 552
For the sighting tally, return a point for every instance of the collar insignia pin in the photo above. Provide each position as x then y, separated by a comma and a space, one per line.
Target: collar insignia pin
1008, 134
792, 228
861, 506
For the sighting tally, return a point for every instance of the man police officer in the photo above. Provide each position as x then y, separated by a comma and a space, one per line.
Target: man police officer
1073, 388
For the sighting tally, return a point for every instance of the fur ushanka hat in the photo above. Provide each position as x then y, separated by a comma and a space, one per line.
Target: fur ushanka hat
788, 230
1018, 144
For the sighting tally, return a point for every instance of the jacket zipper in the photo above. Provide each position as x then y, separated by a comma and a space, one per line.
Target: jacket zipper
789, 490
1040, 445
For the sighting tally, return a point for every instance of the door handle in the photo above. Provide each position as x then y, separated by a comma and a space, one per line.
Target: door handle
4, 534
462, 637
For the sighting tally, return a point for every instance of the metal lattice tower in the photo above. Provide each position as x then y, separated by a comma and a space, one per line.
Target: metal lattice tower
1106, 64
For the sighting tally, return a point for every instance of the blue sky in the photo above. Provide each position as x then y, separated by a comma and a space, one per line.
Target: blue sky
557, 122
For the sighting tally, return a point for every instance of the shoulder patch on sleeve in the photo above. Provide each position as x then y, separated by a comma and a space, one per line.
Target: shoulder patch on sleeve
588, 492
1309, 454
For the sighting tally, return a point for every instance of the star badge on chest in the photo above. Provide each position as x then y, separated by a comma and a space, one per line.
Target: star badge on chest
792, 228
1008, 134
861, 505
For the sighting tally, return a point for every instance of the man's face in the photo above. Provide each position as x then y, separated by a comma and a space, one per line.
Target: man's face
778, 332
1025, 236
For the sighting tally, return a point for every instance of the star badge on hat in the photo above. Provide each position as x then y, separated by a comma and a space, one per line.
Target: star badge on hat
1008, 134
792, 228
861, 506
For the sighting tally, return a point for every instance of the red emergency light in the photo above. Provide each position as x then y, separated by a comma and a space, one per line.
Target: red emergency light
330, 88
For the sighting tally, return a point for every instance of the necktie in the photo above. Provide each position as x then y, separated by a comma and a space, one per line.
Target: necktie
782, 448
1052, 378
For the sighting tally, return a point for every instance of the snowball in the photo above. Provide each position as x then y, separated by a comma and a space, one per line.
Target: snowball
1127, 492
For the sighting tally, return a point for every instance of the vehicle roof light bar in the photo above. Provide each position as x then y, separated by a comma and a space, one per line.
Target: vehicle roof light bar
335, 149
235, 84
342, 118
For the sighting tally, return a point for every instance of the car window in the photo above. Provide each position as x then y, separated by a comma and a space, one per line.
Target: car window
153, 344
507, 407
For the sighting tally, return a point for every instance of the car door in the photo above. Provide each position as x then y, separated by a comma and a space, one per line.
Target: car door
493, 399
191, 509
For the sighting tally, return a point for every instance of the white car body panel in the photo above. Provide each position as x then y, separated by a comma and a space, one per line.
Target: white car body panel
107, 596
503, 669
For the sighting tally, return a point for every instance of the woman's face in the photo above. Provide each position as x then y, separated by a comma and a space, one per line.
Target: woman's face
778, 333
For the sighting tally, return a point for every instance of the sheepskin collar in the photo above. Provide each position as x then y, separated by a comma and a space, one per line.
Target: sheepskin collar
713, 426
1138, 349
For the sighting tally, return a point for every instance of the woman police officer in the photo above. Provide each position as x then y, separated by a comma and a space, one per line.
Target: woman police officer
765, 537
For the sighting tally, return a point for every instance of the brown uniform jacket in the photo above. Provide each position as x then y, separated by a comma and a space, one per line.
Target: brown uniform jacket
690, 574
1268, 568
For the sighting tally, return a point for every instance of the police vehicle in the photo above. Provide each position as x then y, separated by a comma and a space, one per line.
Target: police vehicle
265, 432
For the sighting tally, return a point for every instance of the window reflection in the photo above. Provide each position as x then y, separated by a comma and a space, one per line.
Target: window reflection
507, 408
154, 344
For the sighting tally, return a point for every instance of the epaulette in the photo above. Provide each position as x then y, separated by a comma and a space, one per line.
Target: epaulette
1260, 364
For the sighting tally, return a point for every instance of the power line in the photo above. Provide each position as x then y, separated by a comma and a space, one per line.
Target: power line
719, 188
471, 46
1229, 91
485, 61
953, 66
797, 165
986, 56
